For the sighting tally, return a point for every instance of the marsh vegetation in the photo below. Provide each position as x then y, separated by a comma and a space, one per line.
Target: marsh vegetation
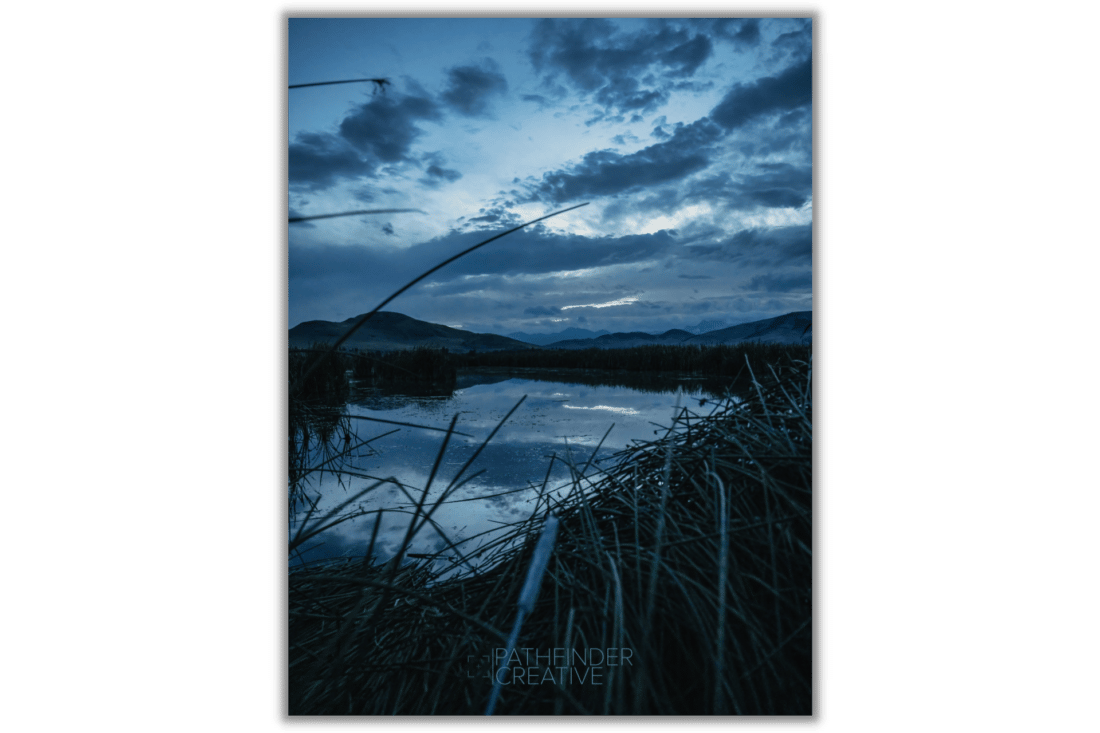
691, 549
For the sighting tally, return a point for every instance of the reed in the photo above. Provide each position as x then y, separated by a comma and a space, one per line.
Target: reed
721, 361
692, 552
421, 369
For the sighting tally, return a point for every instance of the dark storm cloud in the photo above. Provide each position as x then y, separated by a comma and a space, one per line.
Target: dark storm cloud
799, 282
798, 245
385, 127
541, 310
689, 55
742, 33
788, 133
787, 90
748, 34
523, 253
625, 94
778, 198
798, 43
471, 88
607, 65
476, 287
605, 172
686, 149
292, 212
437, 175
768, 185
703, 306
364, 194
374, 133
778, 185
436, 172
318, 160
758, 246
538, 252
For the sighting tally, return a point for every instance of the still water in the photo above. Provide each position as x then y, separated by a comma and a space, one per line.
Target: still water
559, 419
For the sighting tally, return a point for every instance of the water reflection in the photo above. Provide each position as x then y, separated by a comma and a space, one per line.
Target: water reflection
559, 424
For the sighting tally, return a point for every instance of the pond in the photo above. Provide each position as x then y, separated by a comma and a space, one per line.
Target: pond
558, 424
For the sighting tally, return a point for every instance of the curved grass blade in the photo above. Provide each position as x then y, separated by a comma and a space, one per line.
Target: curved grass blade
296, 219
414, 281
380, 83
405, 424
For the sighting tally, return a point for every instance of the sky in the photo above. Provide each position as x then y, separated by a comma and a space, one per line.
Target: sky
690, 141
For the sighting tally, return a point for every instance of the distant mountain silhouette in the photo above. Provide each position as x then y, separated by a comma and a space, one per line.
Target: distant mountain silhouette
542, 339
706, 326
386, 331
624, 340
792, 328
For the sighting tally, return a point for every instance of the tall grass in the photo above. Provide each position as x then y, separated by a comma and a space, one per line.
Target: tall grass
427, 370
726, 361
692, 553
421, 369
327, 381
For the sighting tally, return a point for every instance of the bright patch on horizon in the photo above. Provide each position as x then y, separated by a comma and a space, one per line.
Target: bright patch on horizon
621, 301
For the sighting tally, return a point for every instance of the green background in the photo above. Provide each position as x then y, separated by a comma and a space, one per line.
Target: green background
134, 293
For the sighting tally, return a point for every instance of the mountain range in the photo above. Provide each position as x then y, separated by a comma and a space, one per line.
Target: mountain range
388, 331
542, 339
573, 333
791, 328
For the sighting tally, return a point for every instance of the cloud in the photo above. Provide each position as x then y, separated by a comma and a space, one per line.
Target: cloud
436, 174
318, 160
607, 304
375, 133
538, 251
758, 246
768, 185
749, 33
774, 283
788, 90
598, 61
605, 172
385, 128
541, 310
471, 88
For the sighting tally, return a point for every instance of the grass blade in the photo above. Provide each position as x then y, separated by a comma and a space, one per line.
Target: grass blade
358, 324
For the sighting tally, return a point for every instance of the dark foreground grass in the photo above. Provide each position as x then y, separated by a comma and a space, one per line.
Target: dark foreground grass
690, 557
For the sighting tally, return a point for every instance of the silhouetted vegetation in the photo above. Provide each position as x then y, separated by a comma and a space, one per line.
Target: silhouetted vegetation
327, 383
316, 412
424, 370
692, 551
716, 361
410, 370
